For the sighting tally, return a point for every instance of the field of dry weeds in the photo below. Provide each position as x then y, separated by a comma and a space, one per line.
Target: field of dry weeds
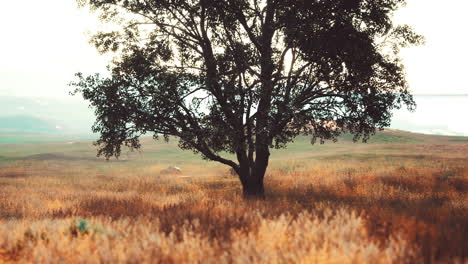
382, 203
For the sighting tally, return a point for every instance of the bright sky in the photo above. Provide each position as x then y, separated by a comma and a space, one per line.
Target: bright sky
44, 43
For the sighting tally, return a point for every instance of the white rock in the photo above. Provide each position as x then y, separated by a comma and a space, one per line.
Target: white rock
171, 170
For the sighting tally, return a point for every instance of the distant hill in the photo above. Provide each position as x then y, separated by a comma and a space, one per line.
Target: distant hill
28, 124
301, 143
73, 117
45, 115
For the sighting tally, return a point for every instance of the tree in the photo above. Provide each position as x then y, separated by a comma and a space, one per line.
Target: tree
245, 76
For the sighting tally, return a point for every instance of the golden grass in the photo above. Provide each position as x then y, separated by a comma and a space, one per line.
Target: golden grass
337, 210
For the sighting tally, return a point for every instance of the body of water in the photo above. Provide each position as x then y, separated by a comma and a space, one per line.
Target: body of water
435, 114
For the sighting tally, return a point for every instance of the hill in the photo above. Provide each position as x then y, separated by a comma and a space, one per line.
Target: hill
28, 124
30, 114
76, 147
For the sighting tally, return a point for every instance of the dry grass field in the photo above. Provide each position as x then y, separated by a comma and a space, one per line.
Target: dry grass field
403, 198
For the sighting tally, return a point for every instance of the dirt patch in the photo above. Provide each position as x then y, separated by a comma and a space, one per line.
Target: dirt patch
13, 172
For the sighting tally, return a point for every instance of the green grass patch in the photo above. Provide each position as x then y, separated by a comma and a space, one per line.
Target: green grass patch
384, 139
26, 138
459, 140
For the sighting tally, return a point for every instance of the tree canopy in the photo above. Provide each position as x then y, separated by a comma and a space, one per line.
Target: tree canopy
244, 76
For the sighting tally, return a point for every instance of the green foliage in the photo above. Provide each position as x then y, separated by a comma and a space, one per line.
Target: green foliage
83, 227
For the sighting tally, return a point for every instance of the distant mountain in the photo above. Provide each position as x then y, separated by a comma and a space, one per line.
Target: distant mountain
45, 115
27, 124
434, 115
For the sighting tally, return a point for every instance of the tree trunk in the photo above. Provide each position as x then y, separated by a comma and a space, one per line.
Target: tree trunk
253, 188
251, 175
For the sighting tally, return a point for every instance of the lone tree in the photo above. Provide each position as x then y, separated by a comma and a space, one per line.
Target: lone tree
245, 76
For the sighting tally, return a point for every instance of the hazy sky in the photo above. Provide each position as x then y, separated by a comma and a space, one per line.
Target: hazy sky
44, 43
